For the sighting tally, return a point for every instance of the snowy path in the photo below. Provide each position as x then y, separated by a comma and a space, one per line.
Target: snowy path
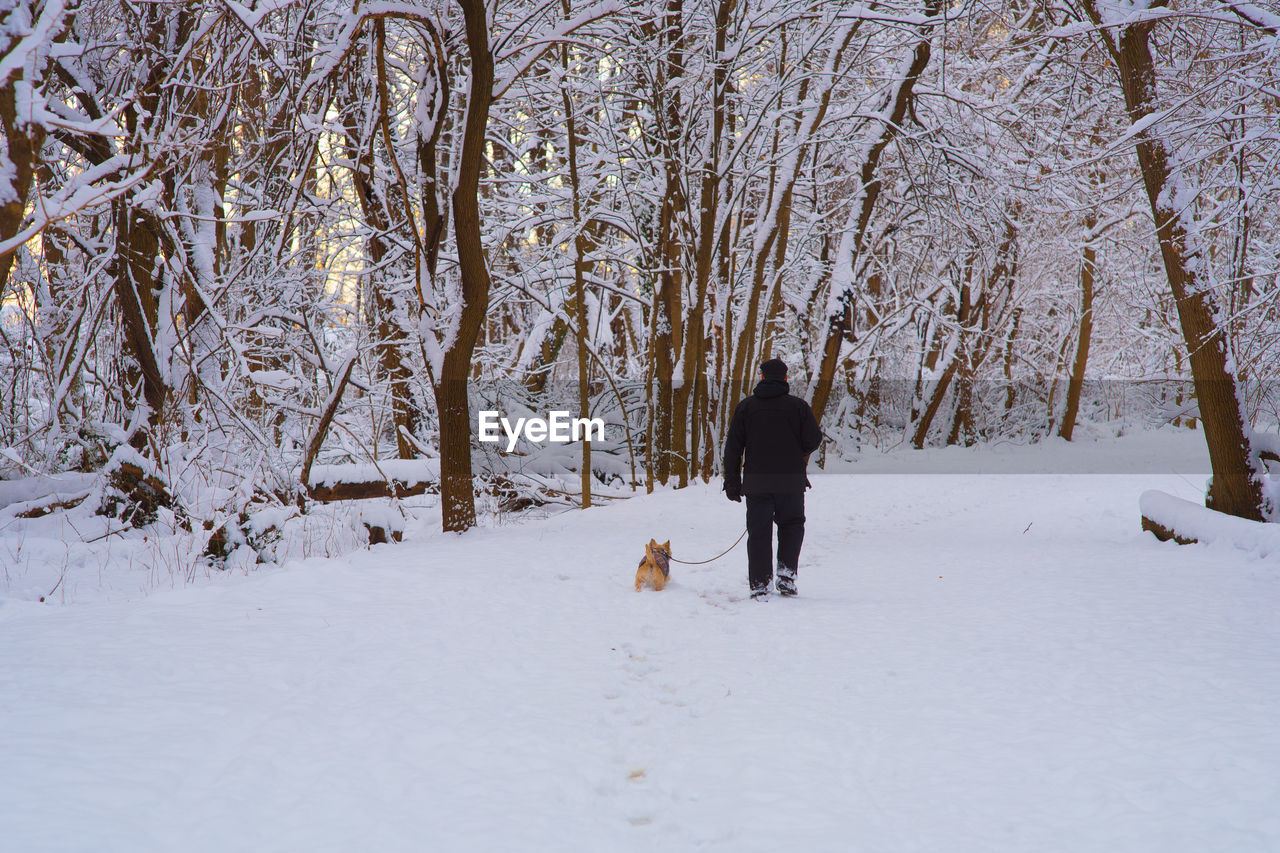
974, 663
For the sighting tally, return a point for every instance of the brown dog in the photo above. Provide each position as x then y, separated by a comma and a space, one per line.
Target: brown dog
655, 568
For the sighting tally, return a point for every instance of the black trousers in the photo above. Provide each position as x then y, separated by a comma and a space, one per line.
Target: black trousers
786, 509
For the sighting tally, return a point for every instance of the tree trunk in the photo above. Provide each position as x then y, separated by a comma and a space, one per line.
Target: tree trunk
962, 428
1087, 270
1011, 393
137, 251
708, 207
672, 402
935, 402
535, 378
1236, 487
457, 494
23, 142
580, 266
958, 357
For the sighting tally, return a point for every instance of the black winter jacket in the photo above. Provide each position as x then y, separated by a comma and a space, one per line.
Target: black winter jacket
778, 432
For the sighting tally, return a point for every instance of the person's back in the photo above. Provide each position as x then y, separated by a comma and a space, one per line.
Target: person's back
776, 432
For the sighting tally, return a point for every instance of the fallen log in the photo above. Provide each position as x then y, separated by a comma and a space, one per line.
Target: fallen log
41, 507
396, 478
1173, 519
1164, 534
364, 490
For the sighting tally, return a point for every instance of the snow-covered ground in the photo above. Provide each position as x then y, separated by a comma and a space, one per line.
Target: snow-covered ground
976, 662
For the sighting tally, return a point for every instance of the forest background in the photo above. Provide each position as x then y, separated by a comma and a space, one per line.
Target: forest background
258, 256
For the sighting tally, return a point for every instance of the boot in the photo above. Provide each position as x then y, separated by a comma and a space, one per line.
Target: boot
786, 580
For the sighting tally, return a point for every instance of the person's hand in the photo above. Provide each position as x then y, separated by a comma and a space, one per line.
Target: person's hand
733, 492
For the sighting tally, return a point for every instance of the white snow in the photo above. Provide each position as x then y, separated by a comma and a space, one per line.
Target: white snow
280, 379
34, 488
976, 662
1256, 16
8, 176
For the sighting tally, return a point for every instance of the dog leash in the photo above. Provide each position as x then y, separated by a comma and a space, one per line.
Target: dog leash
712, 560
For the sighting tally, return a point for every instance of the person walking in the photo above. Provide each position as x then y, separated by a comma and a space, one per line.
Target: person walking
776, 432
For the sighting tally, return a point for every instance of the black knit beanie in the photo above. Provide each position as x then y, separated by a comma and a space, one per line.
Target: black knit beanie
774, 368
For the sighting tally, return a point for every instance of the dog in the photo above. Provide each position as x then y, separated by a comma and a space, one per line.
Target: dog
655, 566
